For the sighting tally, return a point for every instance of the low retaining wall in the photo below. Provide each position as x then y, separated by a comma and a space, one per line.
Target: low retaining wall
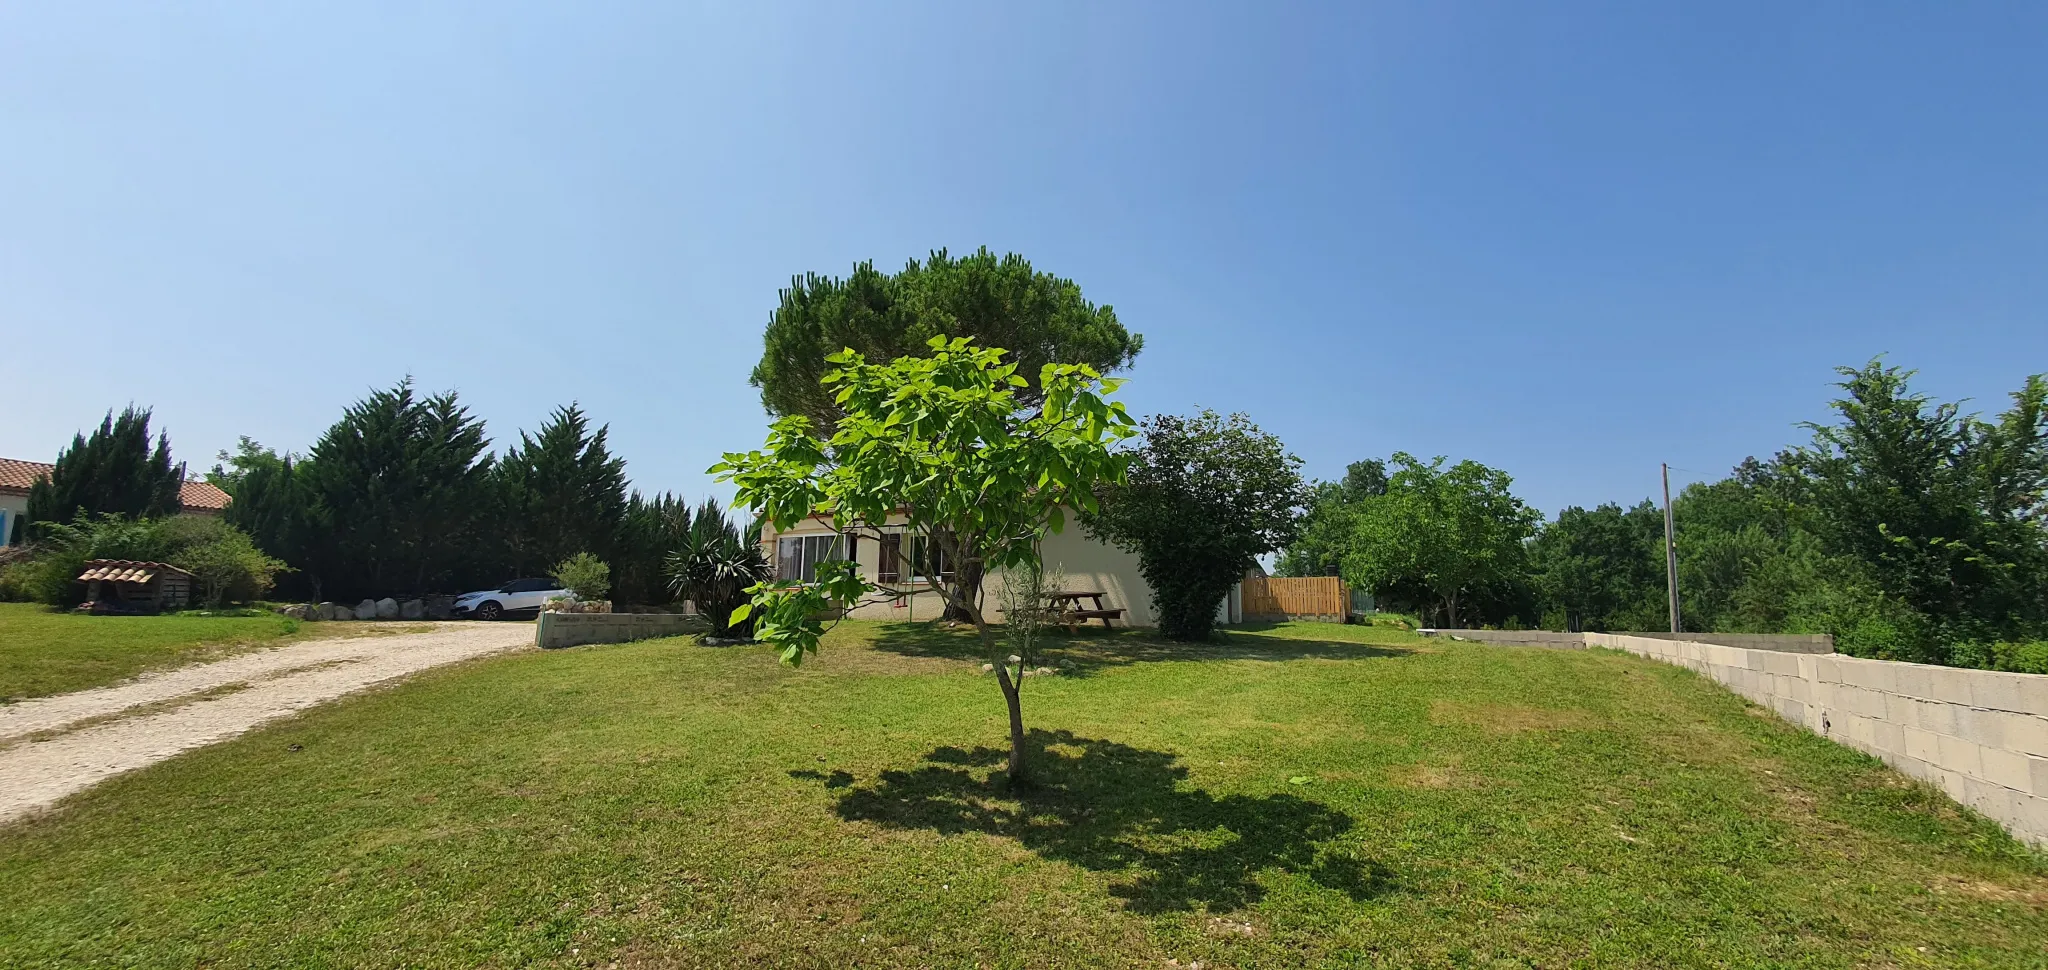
1981, 735
575, 629
1815, 643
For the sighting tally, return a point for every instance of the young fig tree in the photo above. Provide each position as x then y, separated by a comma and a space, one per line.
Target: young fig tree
939, 448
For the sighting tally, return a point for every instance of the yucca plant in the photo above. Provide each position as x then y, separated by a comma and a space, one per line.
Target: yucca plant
716, 565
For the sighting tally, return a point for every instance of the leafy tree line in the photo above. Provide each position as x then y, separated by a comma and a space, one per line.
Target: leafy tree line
403, 496
111, 494
1905, 527
400, 496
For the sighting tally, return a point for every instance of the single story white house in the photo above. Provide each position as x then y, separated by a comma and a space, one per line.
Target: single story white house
194, 497
1084, 564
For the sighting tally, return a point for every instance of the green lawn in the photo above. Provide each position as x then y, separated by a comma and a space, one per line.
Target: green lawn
50, 653
1300, 796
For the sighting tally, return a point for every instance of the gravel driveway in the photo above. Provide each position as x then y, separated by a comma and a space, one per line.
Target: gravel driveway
53, 746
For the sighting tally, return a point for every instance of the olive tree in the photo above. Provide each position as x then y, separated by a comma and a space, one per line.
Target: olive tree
943, 448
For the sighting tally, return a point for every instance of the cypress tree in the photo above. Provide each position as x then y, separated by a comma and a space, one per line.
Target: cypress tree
562, 493
401, 486
113, 471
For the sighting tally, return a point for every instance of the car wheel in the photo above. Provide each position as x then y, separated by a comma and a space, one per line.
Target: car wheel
488, 610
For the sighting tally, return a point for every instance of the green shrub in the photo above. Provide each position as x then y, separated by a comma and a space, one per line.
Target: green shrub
225, 563
2018, 657
223, 559
584, 575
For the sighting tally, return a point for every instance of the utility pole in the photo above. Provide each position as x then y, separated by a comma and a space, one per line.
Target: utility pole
1670, 553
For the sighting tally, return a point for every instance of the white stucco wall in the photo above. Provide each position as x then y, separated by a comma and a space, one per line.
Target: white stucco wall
12, 508
1084, 564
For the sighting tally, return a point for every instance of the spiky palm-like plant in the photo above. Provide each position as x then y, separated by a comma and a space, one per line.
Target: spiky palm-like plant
715, 566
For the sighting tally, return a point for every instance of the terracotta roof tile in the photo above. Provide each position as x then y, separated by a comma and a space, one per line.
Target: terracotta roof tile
198, 496
126, 571
194, 495
19, 475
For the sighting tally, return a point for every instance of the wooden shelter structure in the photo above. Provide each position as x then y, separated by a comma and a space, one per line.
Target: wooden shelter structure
126, 586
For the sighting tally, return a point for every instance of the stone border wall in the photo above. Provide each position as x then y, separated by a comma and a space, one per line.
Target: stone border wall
555, 630
1981, 735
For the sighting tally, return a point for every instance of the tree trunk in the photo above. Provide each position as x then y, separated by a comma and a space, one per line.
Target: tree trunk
1012, 696
1451, 611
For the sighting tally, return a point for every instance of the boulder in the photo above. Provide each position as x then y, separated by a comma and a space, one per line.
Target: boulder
329, 611
296, 611
366, 610
411, 610
387, 609
439, 607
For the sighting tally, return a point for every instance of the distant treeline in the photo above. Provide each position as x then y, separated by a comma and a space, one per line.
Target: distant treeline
400, 497
1905, 527
403, 496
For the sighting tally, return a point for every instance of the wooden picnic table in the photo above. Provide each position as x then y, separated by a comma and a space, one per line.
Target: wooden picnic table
1068, 606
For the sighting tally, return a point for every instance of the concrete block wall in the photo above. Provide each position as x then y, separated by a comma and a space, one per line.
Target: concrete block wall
575, 629
1776, 642
1980, 735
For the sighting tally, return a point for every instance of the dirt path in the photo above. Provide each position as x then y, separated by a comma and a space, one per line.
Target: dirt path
53, 746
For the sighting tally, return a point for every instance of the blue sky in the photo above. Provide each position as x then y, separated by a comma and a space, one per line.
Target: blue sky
1569, 240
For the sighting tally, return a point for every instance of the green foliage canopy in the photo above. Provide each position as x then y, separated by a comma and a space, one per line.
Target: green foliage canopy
114, 471
560, 492
994, 301
944, 442
1438, 535
1204, 497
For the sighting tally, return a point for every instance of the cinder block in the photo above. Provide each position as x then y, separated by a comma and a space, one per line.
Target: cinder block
1952, 686
1827, 669
1912, 680
1791, 710
1998, 691
1935, 716
1923, 745
1992, 800
2025, 733
1984, 727
1954, 784
1960, 755
2030, 813
2033, 693
1867, 674
2037, 771
2007, 768
1901, 710
1888, 736
1782, 664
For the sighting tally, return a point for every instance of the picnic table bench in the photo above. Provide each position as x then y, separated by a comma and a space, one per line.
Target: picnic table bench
1066, 607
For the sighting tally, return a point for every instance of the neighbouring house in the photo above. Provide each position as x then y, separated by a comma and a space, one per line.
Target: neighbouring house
895, 560
125, 586
194, 497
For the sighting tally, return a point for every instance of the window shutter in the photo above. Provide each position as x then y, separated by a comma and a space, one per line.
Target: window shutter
887, 570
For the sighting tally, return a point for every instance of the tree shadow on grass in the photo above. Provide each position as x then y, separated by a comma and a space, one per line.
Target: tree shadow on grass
1110, 807
1096, 648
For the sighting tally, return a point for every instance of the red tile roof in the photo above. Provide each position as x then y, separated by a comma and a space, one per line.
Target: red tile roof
194, 495
126, 571
198, 496
17, 476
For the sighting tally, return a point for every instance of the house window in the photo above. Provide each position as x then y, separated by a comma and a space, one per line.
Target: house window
797, 557
923, 557
4, 527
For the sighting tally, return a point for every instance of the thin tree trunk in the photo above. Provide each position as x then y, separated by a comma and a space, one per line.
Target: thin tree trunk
1012, 696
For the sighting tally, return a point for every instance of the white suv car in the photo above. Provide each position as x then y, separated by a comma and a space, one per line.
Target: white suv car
522, 596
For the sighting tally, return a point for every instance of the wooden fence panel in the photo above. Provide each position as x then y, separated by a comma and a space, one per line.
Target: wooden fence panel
1304, 598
